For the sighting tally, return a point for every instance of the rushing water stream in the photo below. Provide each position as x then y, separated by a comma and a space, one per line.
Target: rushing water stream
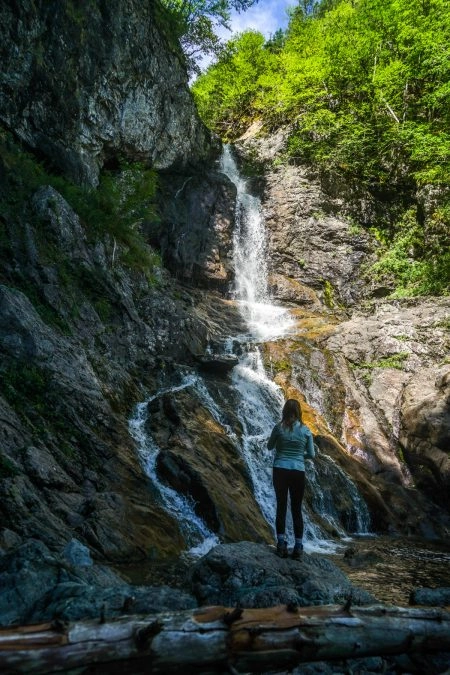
259, 403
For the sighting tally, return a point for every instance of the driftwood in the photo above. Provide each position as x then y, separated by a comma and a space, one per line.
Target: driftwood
216, 639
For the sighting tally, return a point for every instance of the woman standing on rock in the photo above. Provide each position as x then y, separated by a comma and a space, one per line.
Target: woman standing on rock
293, 442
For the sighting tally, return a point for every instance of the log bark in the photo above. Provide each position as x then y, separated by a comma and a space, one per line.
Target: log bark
212, 639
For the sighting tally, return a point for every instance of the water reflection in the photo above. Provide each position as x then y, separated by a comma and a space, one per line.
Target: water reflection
390, 568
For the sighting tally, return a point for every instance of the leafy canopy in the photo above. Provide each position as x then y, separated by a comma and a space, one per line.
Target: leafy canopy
195, 23
363, 88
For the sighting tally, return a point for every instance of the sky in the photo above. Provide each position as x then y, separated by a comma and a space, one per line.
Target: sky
266, 17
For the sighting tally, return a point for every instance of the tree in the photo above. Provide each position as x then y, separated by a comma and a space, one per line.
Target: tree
196, 23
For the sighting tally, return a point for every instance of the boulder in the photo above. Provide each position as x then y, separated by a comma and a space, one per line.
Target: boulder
433, 597
218, 364
38, 585
246, 574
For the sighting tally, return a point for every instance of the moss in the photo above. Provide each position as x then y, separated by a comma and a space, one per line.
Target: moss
393, 361
124, 199
328, 294
282, 365
443, 323
7, 468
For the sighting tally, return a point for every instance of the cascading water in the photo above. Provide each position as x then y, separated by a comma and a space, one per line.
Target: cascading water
264, 319
259, 399
197, 535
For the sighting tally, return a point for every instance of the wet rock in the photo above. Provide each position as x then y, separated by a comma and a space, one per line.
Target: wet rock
362, 558
218, 365
77, 91
434, 597
251, 575
198, 458
37, 585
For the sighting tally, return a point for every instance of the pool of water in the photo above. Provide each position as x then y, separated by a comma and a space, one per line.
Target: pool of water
390, 568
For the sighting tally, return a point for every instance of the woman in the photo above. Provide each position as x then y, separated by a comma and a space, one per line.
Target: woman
293, 442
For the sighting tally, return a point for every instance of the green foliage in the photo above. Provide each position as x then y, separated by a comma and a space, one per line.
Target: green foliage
328, 294
195, 24
122, 201
227, 95
410, 263
393, 361
364, 90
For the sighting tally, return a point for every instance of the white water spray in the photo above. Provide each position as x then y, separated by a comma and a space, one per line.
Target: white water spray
265, 320
197, 535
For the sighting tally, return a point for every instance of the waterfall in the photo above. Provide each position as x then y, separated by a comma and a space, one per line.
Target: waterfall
260, 398
258, 403
264, 319
197, 535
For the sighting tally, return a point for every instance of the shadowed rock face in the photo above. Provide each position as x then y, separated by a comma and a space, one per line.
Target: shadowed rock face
425, 429
200, 460
195, 229
40, 585
86, 83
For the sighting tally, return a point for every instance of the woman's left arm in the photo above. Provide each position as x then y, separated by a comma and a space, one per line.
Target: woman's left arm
309, 452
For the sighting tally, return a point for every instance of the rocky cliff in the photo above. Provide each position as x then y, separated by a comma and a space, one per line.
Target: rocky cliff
87, 84
87, 330
375, 371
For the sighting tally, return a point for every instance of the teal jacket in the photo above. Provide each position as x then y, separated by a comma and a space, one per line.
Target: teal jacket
291, 447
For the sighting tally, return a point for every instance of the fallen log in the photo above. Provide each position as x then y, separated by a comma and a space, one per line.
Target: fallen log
216, 638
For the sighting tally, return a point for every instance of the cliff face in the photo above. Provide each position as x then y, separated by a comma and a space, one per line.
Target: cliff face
376, 369
87, 83
84, 335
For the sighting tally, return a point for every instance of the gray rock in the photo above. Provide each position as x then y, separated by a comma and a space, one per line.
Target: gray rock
73, 601
434, 597
77, 554
219, 364
195, 232
425, 429
251, 575
84, 86
36, 585
310, 241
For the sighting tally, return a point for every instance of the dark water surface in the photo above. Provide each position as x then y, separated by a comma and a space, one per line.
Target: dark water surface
390, 568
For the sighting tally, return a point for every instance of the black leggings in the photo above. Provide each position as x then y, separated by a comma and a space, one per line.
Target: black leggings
293, 482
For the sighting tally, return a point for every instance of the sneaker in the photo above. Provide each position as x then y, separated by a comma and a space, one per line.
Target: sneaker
282, 549
297, 552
